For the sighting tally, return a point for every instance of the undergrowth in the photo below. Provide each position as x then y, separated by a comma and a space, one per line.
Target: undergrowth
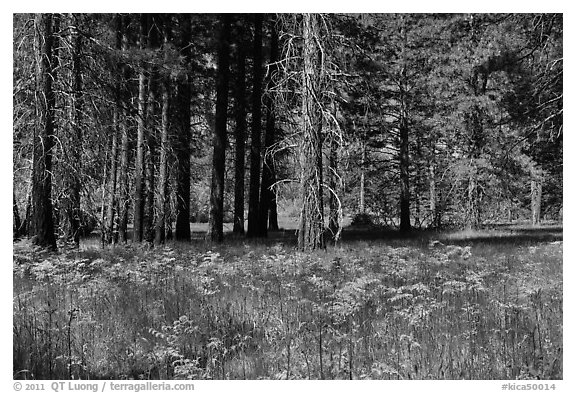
362, 311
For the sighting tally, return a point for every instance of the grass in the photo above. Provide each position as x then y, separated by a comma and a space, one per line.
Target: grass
394, 308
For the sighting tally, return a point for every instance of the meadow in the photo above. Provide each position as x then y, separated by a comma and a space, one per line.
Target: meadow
435, 305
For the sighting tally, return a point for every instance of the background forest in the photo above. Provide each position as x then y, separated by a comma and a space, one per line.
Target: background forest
141, 142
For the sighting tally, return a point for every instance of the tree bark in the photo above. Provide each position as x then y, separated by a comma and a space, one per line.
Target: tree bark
16, 222
311, 229
240, 130
112, 179
536, 196
123, 199
404, 164
362, 203
150, 158
112, 200
256, 134
42, 225
405, 225
139, 175
71, 203
433, 198
182, 143
160, 229
267, 194
335, 208
215, 227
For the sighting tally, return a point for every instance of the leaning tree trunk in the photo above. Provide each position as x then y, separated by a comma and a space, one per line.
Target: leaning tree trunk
240, 130
311, 228
267, 194
256, 134
215, 225
42, 225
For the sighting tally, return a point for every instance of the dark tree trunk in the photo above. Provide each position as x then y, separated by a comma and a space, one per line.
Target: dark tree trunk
311, 229
240, 130
112, 183
42, 225
405, 225
267, 194
476, 142
139, 175
256, 134
72, 204
215, 227
182, 144
16, 222
273, 215
404, 178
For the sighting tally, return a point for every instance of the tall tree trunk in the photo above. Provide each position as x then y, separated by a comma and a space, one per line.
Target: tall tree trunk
536, 195
112, 200
273, 215
476, 138
151, 140
160, 229
123, 199
362, 198
139, 175
72, 202
335, 208
123, 188
404, 179
240, 130
215, 227
267, 194
182, 147
16, 222
404, 139
472, 208
149, 228
311, 229
433, 197
42, 225
112, 179
256, 134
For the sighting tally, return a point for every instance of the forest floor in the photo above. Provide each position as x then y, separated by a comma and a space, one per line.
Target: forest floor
433, 305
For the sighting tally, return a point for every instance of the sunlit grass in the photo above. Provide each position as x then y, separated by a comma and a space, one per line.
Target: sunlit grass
362, 310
